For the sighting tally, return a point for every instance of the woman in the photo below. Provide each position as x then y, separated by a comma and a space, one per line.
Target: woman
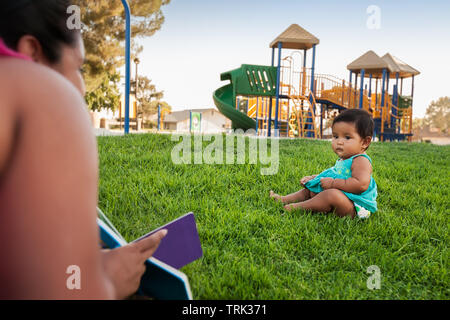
49, 166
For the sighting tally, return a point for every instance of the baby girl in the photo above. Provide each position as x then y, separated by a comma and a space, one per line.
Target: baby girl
347, 189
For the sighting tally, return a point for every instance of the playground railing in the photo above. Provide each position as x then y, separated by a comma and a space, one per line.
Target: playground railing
258, 108
295, 79
390, 114
297, 85
335, 90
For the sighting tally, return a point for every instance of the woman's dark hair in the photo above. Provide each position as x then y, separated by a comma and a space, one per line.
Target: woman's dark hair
46, 20
362, 120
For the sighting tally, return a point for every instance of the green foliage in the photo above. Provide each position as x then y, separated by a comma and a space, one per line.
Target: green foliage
106, 95
253, 249
104, 33
148, 97
438, 114
152, 108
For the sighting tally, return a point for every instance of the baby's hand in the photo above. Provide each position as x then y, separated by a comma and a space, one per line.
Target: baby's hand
304, 180
326, 183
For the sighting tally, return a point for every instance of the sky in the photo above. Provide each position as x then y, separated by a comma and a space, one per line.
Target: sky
200, 39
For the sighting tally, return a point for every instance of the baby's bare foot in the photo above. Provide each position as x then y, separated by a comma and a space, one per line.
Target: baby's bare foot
292, 206
275, 196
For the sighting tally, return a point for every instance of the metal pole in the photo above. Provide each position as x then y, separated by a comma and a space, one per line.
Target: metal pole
396, 99
304, 58
394, 110
136, 61
412, 99
127, 63
401, 86
159, 117
313, 65
273, 56
396, 80
361, 89
321, 121
382, 105
350, 88
382, 87
277, 103
257, 107
376, 92
312, 68
303, 76
387, 82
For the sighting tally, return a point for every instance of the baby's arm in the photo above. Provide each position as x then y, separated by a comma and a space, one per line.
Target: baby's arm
358, 182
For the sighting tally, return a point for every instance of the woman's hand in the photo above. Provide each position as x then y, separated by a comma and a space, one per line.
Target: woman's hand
304, 180
326, 183
125, 266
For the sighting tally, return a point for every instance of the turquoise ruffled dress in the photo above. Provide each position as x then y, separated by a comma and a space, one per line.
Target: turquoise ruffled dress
343, 170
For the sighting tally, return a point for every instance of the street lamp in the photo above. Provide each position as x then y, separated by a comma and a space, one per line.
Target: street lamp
136, 61
126, 6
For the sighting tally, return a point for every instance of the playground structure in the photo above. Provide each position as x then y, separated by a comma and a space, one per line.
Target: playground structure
161, 115
291, 100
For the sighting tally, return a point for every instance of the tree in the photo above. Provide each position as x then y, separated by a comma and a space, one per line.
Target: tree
104, 34
106, 95
438, 114
418, 124
148, 97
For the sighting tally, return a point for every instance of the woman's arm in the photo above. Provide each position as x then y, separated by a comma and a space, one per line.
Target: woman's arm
48, 197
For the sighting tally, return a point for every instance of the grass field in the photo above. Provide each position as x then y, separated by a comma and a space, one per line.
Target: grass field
255, 250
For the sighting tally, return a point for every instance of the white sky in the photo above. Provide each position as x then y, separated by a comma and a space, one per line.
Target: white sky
201, 39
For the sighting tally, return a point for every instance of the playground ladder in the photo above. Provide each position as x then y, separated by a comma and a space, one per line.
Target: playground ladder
305, 118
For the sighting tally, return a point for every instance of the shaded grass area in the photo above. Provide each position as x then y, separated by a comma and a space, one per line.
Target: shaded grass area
253, 249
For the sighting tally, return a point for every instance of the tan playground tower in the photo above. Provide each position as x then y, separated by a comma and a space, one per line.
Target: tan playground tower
291, 99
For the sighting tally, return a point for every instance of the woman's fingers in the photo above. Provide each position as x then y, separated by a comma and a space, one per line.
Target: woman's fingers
148, 246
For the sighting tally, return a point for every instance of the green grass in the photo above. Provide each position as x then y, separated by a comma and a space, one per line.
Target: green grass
255, 250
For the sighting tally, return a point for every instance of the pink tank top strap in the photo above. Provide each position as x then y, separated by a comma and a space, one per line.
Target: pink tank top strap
7, 52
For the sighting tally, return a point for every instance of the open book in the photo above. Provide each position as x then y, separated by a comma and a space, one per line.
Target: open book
181, 246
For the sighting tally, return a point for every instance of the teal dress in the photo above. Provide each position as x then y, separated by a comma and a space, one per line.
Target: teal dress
342, 170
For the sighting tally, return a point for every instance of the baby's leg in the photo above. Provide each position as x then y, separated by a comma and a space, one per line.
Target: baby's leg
327, 201
298, 196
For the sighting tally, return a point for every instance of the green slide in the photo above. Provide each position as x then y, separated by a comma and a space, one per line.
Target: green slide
223, 98
248, 80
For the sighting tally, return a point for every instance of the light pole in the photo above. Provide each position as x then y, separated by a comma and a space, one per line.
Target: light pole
136, 61
126, 6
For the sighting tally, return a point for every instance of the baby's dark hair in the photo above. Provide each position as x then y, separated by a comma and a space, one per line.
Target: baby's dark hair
46, 20
362, 120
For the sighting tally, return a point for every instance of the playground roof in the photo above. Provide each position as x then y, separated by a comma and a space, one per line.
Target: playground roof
371, 63
295, 37
396, 65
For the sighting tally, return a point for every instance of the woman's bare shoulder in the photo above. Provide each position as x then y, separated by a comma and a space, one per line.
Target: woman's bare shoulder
42, 103
32, 91
23, 81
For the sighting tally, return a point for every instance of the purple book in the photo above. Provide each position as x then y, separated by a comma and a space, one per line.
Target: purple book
181, 245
